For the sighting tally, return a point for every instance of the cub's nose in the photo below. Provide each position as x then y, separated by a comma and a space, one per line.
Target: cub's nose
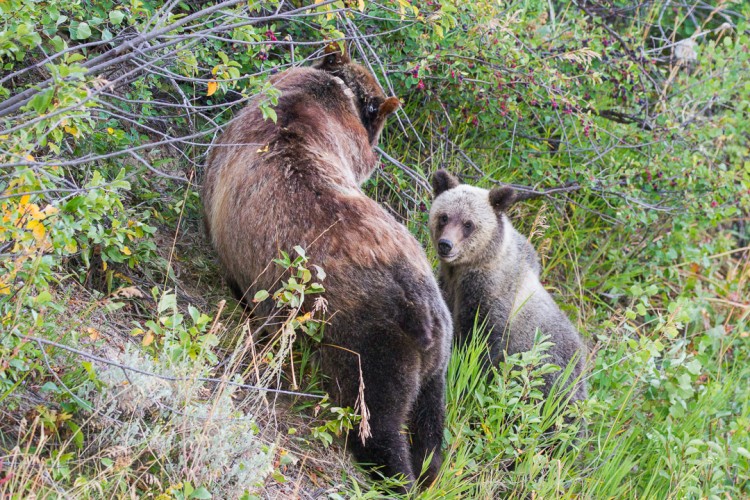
444, 247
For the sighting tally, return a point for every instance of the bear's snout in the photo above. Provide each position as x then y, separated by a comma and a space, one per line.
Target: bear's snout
444, 247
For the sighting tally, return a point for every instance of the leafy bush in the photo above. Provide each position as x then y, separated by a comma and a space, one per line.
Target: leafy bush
623, 124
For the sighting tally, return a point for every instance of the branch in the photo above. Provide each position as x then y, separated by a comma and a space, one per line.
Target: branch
528, 193
94, 357
624, 118
121, 53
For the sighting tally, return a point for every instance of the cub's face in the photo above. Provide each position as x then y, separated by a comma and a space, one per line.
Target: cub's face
372, 104
462, 223
465, 220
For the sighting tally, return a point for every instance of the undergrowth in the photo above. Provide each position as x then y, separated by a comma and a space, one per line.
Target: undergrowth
125, 369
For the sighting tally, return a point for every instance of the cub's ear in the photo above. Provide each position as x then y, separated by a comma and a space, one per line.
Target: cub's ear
389, 106
443, 181
501, 198
336, 56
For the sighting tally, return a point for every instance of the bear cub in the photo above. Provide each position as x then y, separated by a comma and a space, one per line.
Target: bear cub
489, 274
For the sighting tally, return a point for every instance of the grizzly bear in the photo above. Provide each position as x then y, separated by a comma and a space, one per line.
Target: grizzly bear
489, 274
271, 186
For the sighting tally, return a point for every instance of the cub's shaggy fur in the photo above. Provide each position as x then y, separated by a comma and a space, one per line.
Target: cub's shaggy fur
269, 187
489, 273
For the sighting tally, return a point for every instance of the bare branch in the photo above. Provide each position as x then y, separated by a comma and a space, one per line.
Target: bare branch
94, 357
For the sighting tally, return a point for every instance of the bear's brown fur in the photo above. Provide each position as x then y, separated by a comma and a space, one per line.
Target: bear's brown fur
269, 187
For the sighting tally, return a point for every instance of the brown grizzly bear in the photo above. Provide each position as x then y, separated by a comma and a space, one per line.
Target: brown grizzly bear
271, 186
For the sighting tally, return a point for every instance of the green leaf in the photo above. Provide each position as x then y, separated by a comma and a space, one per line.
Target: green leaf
201, 493
116, 17
77, 434
168, 301
260, 296
50, 387
83, 31
113, 306
268, 113
58, 43
41, 101
194, 314
74, 204
43, 298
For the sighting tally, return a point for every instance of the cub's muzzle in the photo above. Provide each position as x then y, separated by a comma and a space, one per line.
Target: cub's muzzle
444, 247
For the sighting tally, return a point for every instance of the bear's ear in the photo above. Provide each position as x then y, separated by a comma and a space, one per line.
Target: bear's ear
389, 106
443, 181
501, 198
335, 56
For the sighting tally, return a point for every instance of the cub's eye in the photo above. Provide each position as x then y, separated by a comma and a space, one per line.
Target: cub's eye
468, 225
443, 219
372, 109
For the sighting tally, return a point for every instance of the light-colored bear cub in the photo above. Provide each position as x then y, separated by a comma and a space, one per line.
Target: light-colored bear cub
489, 274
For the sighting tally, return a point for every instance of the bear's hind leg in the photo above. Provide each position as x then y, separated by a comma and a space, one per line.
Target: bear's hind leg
391, 382
386, 450
426, 427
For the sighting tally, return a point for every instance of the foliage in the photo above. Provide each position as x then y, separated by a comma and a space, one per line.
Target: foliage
627, 119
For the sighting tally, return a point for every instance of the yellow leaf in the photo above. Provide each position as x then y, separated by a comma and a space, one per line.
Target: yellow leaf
215, 70
126, 251
71, 130
303, 319
264, 149
110, 130
37, 228
212, 87
148, 338
24, 200
4, 288
32, 210
104, 265
29, 158
93, 333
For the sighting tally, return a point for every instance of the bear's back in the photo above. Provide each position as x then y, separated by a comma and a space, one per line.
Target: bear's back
296, 182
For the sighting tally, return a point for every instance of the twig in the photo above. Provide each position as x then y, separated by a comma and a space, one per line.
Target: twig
94, 357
